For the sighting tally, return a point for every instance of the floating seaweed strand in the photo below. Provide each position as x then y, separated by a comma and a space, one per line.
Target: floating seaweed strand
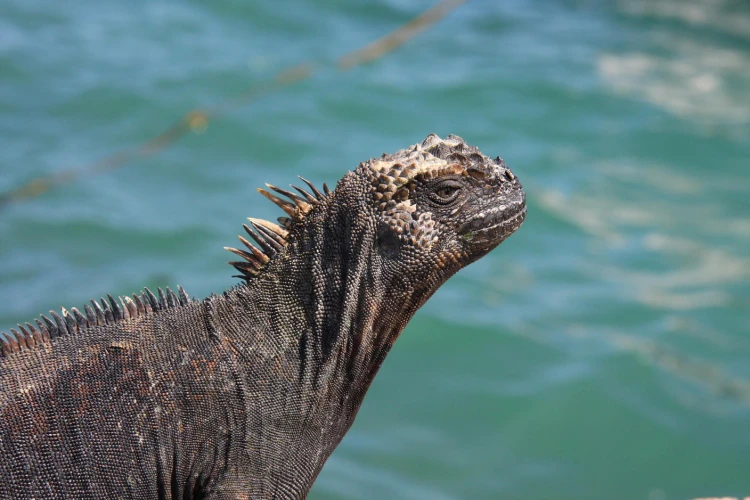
197, 119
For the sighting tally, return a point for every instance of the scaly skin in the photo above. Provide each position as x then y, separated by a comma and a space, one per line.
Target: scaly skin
246, 394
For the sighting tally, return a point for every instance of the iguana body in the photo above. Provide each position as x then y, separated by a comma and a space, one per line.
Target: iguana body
246, 394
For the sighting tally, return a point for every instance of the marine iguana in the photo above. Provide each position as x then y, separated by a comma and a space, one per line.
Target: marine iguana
246, 394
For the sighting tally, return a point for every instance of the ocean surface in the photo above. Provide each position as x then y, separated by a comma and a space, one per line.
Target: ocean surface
602, 352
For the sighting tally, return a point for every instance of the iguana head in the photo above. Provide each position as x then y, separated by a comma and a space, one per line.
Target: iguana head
425, 211
429, 209
443, 201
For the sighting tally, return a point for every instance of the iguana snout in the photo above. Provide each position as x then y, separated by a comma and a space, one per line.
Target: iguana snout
496, 209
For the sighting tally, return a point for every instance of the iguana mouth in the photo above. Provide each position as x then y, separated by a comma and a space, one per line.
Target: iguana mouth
507, 224
497, 232
494, 226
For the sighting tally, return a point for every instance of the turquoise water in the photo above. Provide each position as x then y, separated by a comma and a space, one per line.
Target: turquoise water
601, 352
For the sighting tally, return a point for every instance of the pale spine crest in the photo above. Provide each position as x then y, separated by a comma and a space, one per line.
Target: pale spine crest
270, 237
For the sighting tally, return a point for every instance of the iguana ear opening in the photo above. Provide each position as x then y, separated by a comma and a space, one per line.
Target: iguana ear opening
388, 242
410, 227
399, 231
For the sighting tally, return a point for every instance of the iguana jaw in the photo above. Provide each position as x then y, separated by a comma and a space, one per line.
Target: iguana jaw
487, 229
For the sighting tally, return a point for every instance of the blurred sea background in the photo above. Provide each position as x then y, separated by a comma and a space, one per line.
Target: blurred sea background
602, 352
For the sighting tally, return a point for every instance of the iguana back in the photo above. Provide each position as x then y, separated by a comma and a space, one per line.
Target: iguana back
246, 394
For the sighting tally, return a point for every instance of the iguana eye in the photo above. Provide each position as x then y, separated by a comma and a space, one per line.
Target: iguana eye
445, 192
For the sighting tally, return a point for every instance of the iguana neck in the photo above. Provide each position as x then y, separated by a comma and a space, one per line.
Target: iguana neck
336, 302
